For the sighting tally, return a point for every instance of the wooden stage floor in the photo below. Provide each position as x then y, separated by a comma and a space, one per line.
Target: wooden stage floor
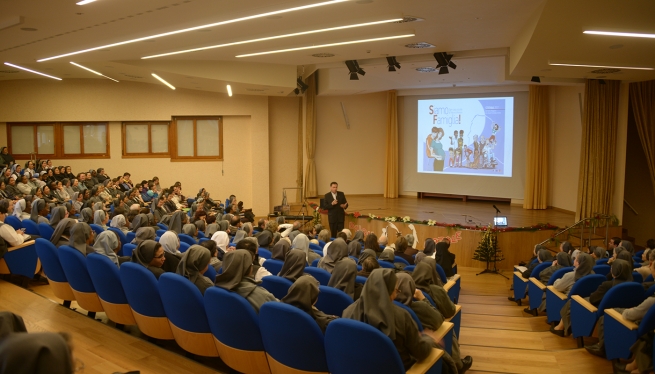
453, 211
496, 332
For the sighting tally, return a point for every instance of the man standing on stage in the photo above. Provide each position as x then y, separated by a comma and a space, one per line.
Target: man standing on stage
336, 204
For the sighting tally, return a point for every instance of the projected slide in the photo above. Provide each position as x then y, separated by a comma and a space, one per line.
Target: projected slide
466, 136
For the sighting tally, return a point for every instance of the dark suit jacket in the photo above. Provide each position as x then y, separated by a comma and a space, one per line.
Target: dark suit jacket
335, 212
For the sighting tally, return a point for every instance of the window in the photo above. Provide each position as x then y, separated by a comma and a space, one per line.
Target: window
197, 138
145, 139
58, 140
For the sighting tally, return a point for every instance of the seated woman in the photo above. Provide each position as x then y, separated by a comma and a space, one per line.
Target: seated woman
237, 277
280, 249
86, 215
118, 221
141, 220
301, 241
366, 253
21, 210
144, 233
58, 213
11, 236
401, 246
644, 270
368, 265
543, 255
101, 218
387, 255
193, 265
213, 251
583, 266
222, 241
265, 238
429, 316
355, 245
191, 230
343, 278
23, 186
211, 227
171, 243
77, 201
294, 265
303, 294
81, 238
178, 219
324, 236
108, 244
425, 277
150, 255
445, 258
250, 245
337, 251
562, 260
376, 308
36, 353
61, 235
429, 250
39, 211
598, 253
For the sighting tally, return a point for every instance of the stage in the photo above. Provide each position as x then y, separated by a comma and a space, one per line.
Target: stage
457, 220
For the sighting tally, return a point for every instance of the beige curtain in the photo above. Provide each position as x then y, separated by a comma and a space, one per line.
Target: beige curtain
599, 127
299, 163
391, 163
642, 99
310, 133
536, 179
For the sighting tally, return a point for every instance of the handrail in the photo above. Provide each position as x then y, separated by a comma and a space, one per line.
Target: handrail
630, 206
577, 224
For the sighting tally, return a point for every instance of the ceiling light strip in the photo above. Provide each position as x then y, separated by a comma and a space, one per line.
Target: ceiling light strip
288, 10
601, 66
627, 34
31, 71
327, 45
163, 81
93, 71
229, 90
84, 2
275, 37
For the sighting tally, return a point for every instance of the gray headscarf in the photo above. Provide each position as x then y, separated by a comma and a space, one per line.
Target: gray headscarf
201, 225
37, 206
337, 250
144, 233
303, 294
301, 241
585, 265
189, 229
105, 244
175, 224
563, 259
99, 217
80, 233
141, 220
365, 254
211, 229
599, 252
407, 287
355, 245
374, 306
621, 271
236, 266
193, 262
240, 235
223, 225
56, 215
544, 255
387, 255
87, 215
35, 353
145, 252
343, 277
628, 246
294, 265
63, 228
280, 250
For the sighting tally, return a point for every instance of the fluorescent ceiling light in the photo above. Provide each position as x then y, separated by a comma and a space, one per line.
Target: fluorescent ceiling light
163, 81
198, 28
229, 90
327, 45
84, 2
93, 71
628, 34
274, 37
31, 71
601, 66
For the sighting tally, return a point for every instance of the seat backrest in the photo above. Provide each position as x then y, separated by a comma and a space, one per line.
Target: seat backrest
160, 232
184, 238
45, 230
233, 320
315, 247
201, 235
637, 277
278, 286
624, 295
183, 303
162, 227
315, 262
429, 298
321, 275
74, 264
602, 269
321, 243
97, 228
320, 253
332, 301
106, 278
401, 260
184, 246
356, 347
211, 273
558, 274
47, 253
539, 268
360, 279
274, 266
120, 234
264, 253
442, 274
411, 313
649, 278
602, 261
130, 236
31, 227
284, 344
587, 284
128, 249
14, 222
141, 290
410, 268
386, 264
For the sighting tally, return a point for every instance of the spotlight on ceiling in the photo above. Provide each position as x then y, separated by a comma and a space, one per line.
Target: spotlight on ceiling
302, 85
296, 91
393, 64
443, 62
354, 69
535, 79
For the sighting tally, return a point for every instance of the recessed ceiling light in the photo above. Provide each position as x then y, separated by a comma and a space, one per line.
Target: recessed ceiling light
163, 81
272, 37
408, 19
626, 34
28, 29
84, 2
31, 71
229, 90
427, 69
601, 66
93, 71
323, 55
328, 45
246, 18
419, 45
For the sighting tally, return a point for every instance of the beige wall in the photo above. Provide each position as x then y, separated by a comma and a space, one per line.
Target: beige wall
283, 145
245, 129
565, 135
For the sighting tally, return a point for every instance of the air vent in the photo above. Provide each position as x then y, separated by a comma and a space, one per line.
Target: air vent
255, 89
9, 71
427, 69
419, 45
133, 76
323, 55
605, 71
407, 19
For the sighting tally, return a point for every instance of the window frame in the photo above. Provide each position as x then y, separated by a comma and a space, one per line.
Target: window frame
150, 154
172, 145
59, 141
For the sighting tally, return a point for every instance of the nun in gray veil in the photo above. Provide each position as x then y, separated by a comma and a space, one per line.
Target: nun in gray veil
303, 294
39, 205
301, 241
193, 265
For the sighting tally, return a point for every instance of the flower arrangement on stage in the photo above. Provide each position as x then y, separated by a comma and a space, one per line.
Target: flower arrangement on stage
407, 219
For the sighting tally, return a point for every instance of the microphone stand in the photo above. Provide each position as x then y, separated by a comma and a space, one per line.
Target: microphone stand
494, 270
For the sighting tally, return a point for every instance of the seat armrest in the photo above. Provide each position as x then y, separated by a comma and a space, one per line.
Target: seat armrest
448, 285
426, 364
25, 244
441, 332
557, 293
538, 283
580, 300
617, 316
520, 276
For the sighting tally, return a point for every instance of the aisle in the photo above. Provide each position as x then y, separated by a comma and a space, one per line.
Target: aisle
504, 339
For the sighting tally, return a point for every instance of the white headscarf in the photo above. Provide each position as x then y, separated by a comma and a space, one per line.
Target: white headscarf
221, 239
301, 241
18, 209
118, 222
105, 244
170, 242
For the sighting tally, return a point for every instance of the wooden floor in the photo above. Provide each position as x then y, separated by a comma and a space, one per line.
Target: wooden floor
499, 336
453, 211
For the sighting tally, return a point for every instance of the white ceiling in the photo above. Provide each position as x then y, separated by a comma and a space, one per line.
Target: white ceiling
483, 35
